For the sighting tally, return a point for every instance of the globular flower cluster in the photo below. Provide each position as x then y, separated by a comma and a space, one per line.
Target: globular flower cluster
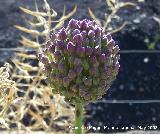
80, 61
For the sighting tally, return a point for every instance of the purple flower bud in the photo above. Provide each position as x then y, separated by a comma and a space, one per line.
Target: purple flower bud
88, 51
66, 81
59, 44
90, 27
116, 68
44, 60
91, 34
78, 39
110, 44
70, 47
57, 55
94, 23
109, 37
104, 40
85, 41
102, 57
75, 32
71, 74
97, 50
53, 36
98, 41
51, 48
93, 71
102, 69
83, 25
65, 50
87, 81
71, 60
108, 72
117, 65
72, 24
118, 56
59, 78
78, 69
80, 51
115, 49
84, 34
91, 42
98, 31
62, 34
61, 67
92, 59
77, 61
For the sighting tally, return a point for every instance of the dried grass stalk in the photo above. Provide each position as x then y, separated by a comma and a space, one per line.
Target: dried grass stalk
33, 97
114, 6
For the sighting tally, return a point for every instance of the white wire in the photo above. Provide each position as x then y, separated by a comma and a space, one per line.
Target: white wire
121, 51
128, 101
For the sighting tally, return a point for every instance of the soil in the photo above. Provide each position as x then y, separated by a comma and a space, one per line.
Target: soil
138, 78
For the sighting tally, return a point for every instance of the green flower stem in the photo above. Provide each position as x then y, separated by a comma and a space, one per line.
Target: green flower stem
79, 118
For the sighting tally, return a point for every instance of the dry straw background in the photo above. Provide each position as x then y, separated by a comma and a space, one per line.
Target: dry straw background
34, 107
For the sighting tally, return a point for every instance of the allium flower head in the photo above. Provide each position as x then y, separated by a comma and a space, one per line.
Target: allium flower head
81, 61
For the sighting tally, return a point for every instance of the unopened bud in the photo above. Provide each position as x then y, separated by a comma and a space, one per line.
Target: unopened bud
59, 45
51, 48
77, 61
75, 32
97, 50
110, 44
66, 81
102, 58
98, 31
83, 25
87, 81
78, 39
71, 74
91, 34
57, 55
62, 34
80, 51
115, 49
72, 24
78, 69
70, 47
84, 34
